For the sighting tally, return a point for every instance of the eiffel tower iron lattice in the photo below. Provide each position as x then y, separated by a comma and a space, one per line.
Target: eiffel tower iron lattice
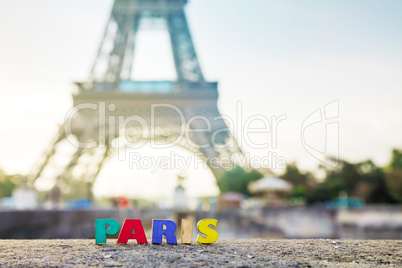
165, 107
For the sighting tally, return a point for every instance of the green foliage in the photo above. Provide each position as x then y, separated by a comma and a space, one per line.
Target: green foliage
364, 180
396, 159
394, 183
294, 176
298, 192
7, 186
393, 176
302, 182
237, 180
320, 193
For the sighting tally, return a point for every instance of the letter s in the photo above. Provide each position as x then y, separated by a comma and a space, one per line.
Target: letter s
211, 235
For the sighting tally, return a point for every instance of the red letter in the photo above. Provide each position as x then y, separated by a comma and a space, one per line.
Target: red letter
126, 234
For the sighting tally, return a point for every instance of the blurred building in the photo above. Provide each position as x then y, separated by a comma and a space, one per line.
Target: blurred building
272, 191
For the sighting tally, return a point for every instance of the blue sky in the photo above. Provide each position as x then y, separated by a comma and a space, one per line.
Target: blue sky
276, 57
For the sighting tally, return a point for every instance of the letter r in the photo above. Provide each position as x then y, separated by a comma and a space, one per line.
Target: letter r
158, 231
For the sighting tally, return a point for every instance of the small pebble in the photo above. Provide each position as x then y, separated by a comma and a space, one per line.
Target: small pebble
109, 249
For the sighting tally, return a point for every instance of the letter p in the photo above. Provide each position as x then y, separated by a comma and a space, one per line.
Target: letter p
101, 229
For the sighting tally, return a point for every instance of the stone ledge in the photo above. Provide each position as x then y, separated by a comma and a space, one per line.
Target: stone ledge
244, 252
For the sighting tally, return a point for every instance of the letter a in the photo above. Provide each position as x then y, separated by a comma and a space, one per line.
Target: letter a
128, 226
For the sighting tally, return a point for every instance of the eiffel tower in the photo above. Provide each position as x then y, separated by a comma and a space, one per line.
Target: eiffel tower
164, 107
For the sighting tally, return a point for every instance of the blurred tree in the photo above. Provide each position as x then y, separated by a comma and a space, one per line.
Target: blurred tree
394, 175
298, 191
396, 159
7, 187
373, 178
293, 175
321, 193
363, 180
237, 180
7, 184
302, 182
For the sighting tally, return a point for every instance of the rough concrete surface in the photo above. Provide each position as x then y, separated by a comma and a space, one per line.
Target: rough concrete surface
229, 253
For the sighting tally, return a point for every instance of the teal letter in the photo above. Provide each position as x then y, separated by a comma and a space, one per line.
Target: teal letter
101, 231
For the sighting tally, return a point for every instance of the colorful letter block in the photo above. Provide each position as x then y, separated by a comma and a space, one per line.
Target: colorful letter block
133, 229
158, 231
211, 235
101, 229
130, 225
186, 231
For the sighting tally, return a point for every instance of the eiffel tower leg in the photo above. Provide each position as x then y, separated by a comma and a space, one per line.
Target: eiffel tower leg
211, 153
47, 156
99, 55
126, 32
91, 178
208, 153
65, 175
221, 150
123, 48
185, 58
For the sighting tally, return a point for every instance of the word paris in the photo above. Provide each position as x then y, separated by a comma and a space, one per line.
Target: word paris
133, 229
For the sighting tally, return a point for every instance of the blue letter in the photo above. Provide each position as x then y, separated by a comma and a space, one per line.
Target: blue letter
158, 231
